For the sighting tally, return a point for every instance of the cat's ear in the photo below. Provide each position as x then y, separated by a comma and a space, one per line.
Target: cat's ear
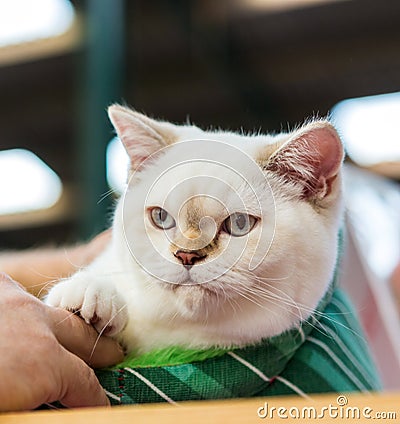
311, 158
140, 135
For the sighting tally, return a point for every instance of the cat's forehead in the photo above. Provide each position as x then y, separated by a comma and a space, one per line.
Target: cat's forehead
192, 181
215, 183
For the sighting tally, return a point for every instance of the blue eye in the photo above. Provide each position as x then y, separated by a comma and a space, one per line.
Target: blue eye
239, 224
161, 218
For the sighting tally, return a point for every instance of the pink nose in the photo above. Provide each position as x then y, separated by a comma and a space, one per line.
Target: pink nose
188, 258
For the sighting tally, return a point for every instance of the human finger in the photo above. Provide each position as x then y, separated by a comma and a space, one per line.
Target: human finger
83, 340
8, 282
80, 387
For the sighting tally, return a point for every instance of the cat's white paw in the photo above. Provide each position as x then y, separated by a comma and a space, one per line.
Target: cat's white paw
97, 302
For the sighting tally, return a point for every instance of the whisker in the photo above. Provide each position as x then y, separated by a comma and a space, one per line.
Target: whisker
272, 295
45, 288
101, 332
73, 312
107, 194
304, 308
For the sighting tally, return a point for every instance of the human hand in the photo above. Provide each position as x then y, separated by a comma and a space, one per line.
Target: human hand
43, 351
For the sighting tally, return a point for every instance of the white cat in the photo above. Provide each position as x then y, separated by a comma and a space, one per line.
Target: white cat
222, 241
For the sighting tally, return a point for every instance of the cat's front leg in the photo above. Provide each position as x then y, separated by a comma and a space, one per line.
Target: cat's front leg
97, 300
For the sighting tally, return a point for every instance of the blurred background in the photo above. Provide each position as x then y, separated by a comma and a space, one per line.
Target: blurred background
237, 64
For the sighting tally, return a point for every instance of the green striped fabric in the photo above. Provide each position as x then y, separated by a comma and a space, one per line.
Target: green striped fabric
327, 353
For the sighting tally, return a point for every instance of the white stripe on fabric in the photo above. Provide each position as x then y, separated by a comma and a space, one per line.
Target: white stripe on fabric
293, 387
265, 378
348, 353
249, 366
339, 362
151, 385
112, 396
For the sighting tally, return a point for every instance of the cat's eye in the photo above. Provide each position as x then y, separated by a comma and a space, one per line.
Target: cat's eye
161, 218
239, 224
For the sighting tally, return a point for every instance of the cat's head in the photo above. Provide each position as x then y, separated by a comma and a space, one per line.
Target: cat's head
232, 225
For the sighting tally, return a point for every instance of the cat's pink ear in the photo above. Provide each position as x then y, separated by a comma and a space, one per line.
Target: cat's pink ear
141, 136
311, 158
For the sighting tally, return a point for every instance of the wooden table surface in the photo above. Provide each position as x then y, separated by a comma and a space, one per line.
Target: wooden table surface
382, 407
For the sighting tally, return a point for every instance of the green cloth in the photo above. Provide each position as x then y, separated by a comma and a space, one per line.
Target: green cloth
327, 353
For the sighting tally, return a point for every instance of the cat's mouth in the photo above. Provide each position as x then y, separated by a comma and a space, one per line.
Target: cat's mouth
189, 283
186, 282
196, 300
186, 278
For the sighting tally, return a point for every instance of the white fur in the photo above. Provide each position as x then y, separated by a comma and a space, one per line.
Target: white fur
145, 313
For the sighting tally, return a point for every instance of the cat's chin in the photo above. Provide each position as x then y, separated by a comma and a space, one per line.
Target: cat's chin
194, 300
